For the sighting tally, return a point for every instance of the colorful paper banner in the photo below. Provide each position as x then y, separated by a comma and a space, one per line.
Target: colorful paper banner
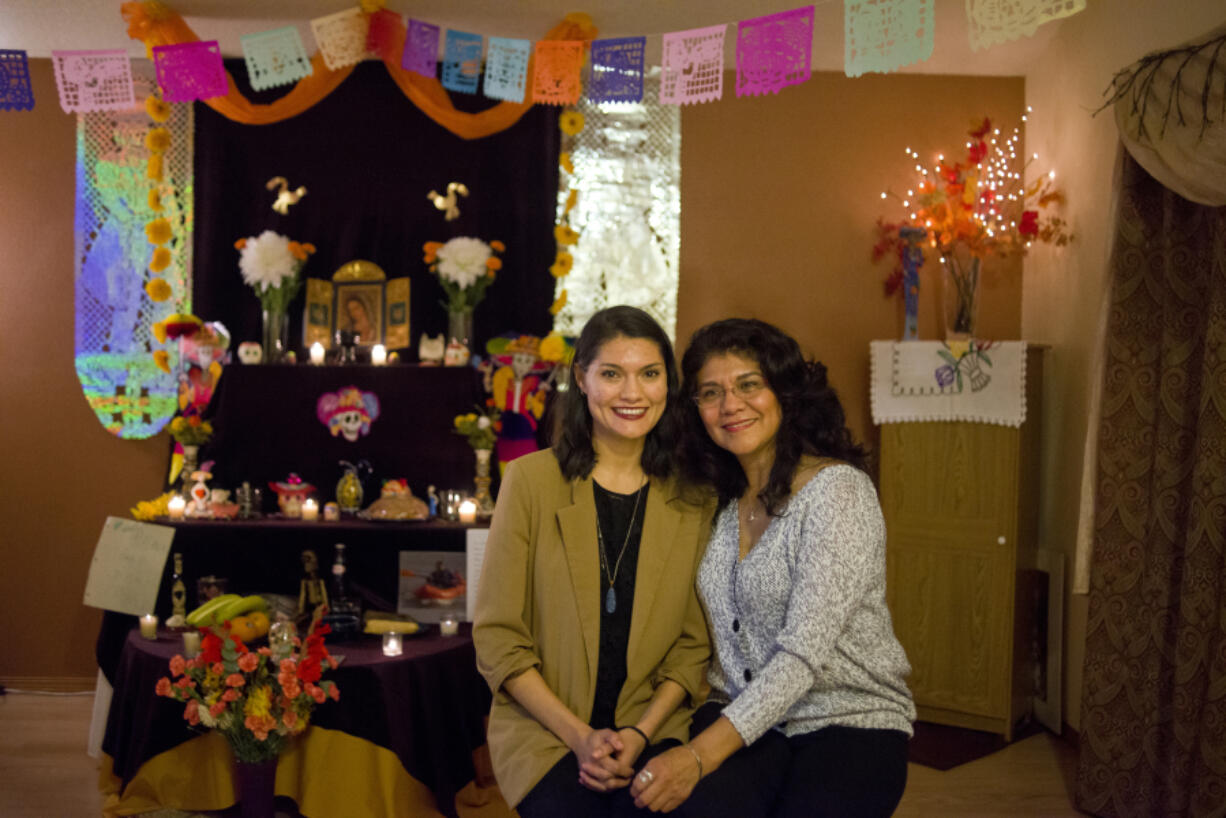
693, 66
93, 80
421, 49
617, 70
774, 52
462, 62
555, 79
991, 22
381, 35
506, 68
275, 58
15, 91
190, 71
341, 37
885, 35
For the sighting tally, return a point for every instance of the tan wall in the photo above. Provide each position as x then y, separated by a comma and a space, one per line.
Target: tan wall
1064, 288
62, 472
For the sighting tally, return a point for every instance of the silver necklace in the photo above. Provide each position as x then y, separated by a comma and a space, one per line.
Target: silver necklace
610, 597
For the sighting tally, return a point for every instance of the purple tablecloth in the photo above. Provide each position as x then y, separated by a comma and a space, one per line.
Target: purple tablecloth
427, 705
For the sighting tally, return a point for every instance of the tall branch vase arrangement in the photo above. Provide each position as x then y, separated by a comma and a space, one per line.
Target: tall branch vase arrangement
270, 264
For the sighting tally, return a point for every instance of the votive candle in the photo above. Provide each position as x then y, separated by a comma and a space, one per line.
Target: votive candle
175, 507
149, 626
378, 355
468, 512
310, 510
449, 626
317, 353
191, 643
392, 644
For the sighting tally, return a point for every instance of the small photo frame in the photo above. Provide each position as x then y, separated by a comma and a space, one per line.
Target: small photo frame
359, 309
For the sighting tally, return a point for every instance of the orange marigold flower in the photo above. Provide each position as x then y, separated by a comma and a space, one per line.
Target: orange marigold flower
161, 358
308, 247
157, 289
564, 235
158, 231
155, 199
493, 263
157, 108
564, 161
158, 140
498, 246
240, 244
154, 169
571, 122
557, 305
159, 262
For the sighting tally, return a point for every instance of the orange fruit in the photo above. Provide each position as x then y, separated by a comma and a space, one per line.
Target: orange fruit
243, 628
259, 621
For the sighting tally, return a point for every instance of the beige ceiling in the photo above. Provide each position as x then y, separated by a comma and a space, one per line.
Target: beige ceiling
40, 26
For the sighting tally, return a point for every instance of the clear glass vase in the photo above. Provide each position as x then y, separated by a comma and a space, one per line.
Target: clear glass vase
276, 336
960, 282
460, 326
485, 501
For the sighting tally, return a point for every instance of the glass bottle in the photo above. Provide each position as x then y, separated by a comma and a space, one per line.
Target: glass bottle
339, 598
178, 589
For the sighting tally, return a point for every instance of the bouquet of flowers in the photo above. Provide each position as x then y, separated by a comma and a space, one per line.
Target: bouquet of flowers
191, 430
976, 207
481, 428
256, 698
465, 267
270, 264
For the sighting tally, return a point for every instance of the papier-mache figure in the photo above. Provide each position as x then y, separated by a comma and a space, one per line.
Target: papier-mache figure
348, 412
519, 375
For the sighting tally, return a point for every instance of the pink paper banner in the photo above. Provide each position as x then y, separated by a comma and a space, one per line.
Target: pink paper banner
556, 72
190, 71
773, 52
693, 66
15, 91
93, 80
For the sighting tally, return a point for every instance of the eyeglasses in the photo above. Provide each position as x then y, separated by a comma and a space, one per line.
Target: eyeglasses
745, 388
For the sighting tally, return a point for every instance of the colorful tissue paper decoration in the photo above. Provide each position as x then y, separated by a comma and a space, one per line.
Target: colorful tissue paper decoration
991, 22
556, 77
693, 66
885, 35
462, 62
190, 71
421, 49
774, 52
506, 69
15, 91
341, 37
93, 80
617, 70
275, 58
348, 412
384, 28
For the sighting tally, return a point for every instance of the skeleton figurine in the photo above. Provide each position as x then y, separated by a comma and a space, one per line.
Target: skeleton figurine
312, 592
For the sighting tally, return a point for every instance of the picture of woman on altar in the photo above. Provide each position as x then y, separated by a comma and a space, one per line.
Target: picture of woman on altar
359, 309
518, 381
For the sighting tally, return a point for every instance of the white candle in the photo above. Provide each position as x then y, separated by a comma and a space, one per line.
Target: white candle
149, 626
175, 507
392, 645
449, 626
191, 643
378, 355
468, 512
317, 353
310, 509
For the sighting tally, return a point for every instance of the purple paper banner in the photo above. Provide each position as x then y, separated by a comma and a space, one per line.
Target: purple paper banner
421, 49
15, 91
693, 66
617, 70
774, 52
190, 71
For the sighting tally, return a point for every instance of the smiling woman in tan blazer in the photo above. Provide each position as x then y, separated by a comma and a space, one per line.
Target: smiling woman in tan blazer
584, 677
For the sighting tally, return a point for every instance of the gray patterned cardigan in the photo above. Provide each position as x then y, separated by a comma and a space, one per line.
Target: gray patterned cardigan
801, 631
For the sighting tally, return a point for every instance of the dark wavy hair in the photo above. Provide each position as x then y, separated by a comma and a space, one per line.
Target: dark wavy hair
812, 420
572, 433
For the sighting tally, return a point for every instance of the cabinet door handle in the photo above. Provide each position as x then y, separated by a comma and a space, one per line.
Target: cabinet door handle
1001, 540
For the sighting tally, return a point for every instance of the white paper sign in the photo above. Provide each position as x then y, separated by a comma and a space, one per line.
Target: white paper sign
126, 570
475, 548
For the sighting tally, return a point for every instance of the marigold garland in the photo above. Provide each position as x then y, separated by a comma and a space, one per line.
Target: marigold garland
160, 260
157, 108
558, 304
158, 289
158, 140
155, 199
161, 357
154, 170
159, 231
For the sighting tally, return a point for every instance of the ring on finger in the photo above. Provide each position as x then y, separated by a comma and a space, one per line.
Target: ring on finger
646, 776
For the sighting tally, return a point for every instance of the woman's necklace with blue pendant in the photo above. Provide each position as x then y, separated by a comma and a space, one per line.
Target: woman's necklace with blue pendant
610, 597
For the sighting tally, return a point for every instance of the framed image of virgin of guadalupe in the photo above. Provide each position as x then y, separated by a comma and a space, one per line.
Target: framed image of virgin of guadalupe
358, 299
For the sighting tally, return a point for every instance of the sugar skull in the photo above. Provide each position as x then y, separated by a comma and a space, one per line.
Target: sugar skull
348, 412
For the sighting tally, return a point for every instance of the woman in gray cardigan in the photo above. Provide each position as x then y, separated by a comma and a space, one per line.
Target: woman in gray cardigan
810, 713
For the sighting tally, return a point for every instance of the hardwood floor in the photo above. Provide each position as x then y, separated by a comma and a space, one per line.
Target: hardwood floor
47, 774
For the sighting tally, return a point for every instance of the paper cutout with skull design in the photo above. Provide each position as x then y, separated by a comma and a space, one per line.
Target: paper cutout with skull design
348, 412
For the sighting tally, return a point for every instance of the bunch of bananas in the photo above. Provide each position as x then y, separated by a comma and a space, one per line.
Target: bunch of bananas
247, 615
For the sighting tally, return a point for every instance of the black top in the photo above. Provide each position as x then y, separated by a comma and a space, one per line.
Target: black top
613, 513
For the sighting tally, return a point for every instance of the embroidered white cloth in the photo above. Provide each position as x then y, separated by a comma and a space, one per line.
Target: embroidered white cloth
978, 381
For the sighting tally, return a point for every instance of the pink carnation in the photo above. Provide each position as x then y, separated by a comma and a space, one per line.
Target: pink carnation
217, 708
191, 712
264, 651
288, 666
290, 718
230, 695
317, 693
185, 683
235, 680
177, 665
248, 662
218, 668
334, 693
163, 687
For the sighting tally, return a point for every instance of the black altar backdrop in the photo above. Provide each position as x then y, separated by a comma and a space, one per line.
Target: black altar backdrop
367, 157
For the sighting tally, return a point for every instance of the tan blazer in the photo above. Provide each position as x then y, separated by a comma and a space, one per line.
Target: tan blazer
538, 606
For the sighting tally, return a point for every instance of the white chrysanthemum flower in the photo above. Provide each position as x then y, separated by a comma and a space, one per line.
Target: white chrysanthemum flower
266, 262
462, 260
483, 422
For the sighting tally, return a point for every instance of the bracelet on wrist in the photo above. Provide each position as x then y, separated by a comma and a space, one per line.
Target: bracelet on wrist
646, 741
697, 758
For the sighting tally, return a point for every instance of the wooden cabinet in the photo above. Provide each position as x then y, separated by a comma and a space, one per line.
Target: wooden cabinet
961, 508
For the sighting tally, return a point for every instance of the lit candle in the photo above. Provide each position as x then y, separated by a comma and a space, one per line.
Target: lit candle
392, 645
149, 626
449, 626
468, 512
310, 509
378, 355
317, 353
191, 643
175, 507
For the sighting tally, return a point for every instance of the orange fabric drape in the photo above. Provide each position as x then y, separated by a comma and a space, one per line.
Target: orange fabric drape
154, 23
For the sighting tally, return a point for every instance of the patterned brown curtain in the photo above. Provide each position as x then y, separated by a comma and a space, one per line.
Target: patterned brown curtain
1153, 720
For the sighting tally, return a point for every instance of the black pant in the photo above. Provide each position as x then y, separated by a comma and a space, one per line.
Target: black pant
560, 795
836, 771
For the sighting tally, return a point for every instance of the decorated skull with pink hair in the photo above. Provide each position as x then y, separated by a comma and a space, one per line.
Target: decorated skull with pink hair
348, 411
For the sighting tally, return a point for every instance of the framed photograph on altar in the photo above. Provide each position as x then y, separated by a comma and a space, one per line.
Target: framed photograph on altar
432, 585
359, 309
